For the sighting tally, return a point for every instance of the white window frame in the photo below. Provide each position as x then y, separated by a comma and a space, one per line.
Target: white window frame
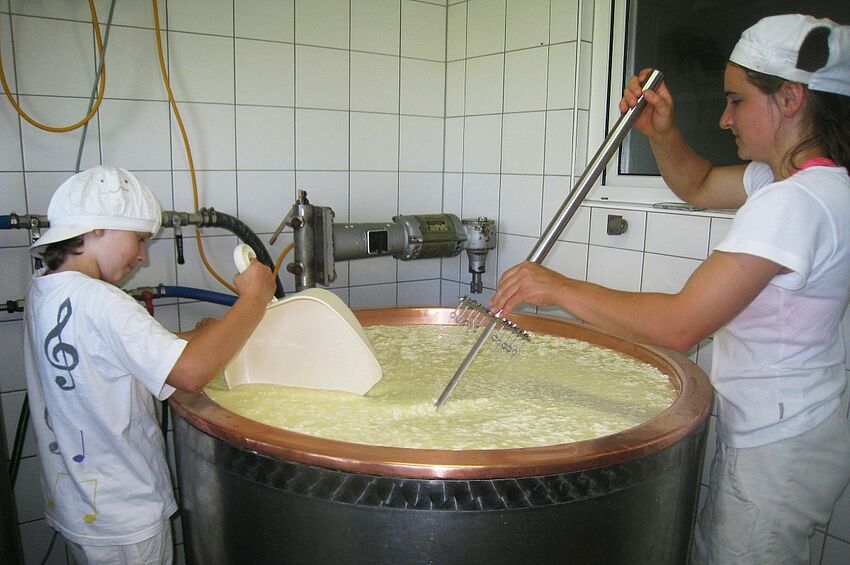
608, 58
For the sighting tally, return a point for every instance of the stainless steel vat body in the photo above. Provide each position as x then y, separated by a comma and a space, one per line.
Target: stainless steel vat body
254, 494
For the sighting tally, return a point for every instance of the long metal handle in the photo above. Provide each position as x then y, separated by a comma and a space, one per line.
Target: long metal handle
466, 362
566, 211
591, 173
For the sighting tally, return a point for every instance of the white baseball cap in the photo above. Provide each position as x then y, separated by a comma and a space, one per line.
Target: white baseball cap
772, 46
102, 197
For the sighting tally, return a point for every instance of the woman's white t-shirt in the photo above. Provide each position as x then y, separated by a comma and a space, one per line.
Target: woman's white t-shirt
778, 367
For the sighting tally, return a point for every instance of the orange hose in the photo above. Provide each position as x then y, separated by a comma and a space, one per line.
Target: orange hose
101, 87
188, 148
280, 257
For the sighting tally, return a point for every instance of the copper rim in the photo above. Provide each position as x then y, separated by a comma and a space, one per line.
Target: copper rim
685, 415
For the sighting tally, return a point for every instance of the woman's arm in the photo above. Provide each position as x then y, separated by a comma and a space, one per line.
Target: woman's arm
693, 178
714, 294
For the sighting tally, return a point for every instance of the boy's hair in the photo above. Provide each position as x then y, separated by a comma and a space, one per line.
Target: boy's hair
55, 254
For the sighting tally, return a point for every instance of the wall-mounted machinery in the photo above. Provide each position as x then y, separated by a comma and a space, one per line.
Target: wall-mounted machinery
319, 242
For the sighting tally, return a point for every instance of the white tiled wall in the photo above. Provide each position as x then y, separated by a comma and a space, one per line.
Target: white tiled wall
375, 107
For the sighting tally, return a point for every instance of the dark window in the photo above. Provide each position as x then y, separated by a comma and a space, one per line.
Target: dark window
690, 43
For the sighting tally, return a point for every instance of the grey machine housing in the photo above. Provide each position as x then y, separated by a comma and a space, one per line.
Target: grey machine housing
319, 242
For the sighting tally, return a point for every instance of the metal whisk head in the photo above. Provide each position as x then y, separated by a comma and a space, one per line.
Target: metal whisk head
507, 334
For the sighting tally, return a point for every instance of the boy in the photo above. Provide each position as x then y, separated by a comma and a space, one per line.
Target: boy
93, 358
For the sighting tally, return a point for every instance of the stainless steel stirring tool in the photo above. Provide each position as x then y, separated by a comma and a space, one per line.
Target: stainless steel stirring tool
564, 214
472, 313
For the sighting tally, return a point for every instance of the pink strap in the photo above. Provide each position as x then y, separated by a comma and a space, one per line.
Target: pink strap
818, 162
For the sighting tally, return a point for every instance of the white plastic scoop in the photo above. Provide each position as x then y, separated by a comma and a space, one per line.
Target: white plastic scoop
310, 339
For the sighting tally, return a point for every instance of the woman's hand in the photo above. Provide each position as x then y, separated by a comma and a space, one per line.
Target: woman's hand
530, 283
656, 119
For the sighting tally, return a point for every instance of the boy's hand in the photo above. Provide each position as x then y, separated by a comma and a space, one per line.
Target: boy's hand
205, 323
214, 344
257, 281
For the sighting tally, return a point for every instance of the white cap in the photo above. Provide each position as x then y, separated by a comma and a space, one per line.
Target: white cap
102, 197
773, 44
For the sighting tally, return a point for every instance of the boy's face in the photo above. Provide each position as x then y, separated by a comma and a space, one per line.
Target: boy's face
119, 253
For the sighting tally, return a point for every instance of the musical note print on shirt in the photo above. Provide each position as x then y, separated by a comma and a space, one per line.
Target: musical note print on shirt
61, 355
53, 446
80, 457
84, 497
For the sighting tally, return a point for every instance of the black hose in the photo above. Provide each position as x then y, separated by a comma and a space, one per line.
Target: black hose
50, 547
241, 229
164, 423
20, 436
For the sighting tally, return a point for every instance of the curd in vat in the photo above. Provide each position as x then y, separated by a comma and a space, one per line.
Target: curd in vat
557, 390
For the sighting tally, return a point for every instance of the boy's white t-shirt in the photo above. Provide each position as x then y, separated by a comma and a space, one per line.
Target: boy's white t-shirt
93, 358
778, 367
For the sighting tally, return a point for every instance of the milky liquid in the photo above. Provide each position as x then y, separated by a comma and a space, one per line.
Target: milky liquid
557, 390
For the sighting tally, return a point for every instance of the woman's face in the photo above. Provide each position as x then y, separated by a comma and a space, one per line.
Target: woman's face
751, 116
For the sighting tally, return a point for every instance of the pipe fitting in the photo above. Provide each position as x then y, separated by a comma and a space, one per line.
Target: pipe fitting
13, 306
23, 221
205, 217
147, 297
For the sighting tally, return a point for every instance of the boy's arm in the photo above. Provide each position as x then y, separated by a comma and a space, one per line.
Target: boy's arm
198, 328
213, 345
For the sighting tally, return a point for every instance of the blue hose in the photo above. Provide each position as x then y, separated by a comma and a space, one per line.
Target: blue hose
5, 222
196, 294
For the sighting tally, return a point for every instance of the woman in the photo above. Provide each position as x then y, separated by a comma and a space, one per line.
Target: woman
773, 292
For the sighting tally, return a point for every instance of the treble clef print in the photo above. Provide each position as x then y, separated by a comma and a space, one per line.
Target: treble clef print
62, 355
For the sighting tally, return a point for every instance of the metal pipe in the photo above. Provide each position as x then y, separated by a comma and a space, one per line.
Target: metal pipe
15, 221
565, 212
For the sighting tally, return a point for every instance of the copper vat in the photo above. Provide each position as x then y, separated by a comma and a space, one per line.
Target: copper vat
251, 493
